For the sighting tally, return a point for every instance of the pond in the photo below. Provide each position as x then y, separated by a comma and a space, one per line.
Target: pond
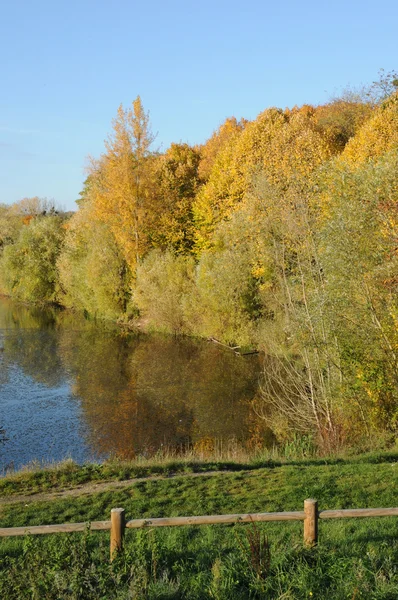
76, 388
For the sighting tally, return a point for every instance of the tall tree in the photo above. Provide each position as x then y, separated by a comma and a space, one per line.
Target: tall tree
121, 182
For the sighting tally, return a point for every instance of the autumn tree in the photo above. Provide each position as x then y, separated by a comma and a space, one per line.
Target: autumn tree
14, 217
378, 135
121, 182
35, 206
285, 146
220, 137
177, 181
340, 120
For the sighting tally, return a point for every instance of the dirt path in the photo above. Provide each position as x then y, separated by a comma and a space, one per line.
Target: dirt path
102, 486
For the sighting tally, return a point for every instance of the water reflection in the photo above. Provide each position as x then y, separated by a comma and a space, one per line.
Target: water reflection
118, 394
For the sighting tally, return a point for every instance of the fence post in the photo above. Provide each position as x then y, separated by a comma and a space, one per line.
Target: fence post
117, 530
311, 522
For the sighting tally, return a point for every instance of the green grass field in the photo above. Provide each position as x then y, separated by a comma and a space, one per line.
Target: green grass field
355, 558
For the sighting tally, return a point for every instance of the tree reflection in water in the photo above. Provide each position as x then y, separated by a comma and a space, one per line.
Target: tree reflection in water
137, 393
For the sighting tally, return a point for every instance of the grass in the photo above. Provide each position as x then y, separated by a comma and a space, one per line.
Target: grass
35, 479
355, 558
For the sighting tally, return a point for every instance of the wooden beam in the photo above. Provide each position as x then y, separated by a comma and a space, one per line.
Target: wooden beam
350, 513
64, 528
216, 519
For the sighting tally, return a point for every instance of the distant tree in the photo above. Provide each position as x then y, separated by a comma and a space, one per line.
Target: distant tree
373, 94
383, 87
33, 207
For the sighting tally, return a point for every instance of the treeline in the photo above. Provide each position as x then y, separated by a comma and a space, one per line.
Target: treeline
279, 233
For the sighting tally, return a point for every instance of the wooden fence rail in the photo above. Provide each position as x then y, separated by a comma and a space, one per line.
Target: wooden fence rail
117, 525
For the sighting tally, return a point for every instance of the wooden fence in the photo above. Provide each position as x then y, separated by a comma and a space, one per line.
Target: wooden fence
117, 524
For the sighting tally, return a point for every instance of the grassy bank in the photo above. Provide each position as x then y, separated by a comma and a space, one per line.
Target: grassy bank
354, 558
37, 478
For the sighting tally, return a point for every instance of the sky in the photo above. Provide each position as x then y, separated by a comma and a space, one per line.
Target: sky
66, 66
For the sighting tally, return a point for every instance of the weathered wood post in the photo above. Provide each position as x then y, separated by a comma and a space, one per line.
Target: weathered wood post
117, 530
311, 522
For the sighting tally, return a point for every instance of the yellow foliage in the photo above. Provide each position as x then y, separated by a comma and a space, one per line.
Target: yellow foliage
285, 146
377, 136
209, 151
177, 182
340, 120
121, 183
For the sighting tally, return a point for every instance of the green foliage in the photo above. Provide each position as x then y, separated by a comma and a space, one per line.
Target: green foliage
359, 256
227, 302
10, 225
301, 374
28, 266
93, 273
162, 291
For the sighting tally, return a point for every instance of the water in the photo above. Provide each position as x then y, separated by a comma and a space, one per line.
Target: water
73, 388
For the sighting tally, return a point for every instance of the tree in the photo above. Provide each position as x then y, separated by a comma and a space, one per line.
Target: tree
340, 120
93, 274
301, 371
29, 265
33, 207
383, 87
177, 182
121, 182
285, 146
378, 135
10, 225
163, 290
209, 151
359, 241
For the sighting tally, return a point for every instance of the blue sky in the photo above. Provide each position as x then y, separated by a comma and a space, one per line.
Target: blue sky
67, 65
